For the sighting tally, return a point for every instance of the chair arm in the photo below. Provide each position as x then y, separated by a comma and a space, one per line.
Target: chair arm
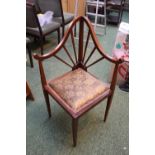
109, 58
57, 49
48, 55
96, 42
54, 51
98, 45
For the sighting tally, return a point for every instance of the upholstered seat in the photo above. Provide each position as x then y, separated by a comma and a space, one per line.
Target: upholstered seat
67, 18
46, 29
78, 87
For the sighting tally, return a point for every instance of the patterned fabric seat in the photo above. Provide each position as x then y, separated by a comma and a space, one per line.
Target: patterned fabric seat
78, 87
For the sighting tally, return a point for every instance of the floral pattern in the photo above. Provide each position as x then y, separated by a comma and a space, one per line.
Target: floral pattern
78, 87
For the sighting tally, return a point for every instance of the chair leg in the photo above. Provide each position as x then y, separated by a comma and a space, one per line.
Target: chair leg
42, 45
120, 16
63, 31
74, 130
30, 55
35, 39
109, 101
29, 92
47, 103
44, 39
58, 31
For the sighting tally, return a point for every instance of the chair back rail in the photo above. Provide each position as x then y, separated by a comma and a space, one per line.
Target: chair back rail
31, 17
80, 56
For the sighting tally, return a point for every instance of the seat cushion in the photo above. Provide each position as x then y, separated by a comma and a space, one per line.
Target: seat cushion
46, 29
78, 87
68, 17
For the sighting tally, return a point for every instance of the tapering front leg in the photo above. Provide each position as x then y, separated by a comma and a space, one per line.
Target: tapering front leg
74, 130
109, 101
47, 103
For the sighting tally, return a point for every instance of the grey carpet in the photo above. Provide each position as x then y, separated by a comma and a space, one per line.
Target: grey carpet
53, 136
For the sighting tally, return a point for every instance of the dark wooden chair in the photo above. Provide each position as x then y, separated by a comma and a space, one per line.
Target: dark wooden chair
114, 10
33, 27
28, 48
78, 91
59, 16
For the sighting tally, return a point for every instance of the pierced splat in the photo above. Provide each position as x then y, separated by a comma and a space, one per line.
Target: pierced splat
60, 59
69, 55
74, 48
79, 53
88, 36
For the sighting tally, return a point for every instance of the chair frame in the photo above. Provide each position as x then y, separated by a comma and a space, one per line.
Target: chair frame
80, 63
41, 37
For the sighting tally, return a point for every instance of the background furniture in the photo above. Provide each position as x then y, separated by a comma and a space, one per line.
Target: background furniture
33, 27
78, 91
115, 11
29, 50
121, 50
63, 18
126, 5
69, 6
98, 13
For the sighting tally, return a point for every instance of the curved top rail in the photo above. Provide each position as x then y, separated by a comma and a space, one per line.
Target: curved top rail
63, 41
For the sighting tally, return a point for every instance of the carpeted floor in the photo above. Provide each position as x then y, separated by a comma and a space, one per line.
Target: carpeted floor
54, 136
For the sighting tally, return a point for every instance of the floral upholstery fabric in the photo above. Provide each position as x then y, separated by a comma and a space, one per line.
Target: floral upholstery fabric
78, 87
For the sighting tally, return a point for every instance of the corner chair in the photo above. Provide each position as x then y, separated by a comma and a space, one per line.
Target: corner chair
78, 91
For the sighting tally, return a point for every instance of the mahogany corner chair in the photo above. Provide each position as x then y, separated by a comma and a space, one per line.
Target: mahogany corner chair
78, 91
